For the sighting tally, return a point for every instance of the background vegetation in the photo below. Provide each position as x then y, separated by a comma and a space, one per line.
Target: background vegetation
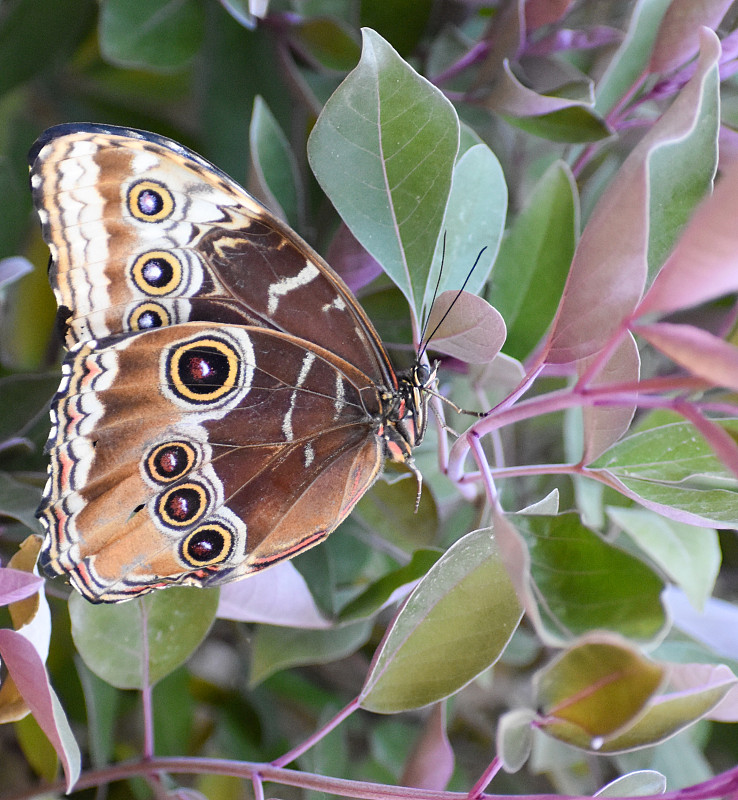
575, 141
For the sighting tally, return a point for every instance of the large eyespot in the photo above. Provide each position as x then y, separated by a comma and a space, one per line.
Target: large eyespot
157, 272
182, 505
146, 316
169, 461
207, 545
150, 201
203, 370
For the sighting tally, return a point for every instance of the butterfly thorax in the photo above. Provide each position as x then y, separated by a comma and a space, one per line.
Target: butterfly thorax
404, 415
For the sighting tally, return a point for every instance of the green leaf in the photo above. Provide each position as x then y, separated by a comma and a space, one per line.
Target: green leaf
37, 748
275, 647
632, 56
634, 784
383, 149
577, 123
402, 22
534, 260
24, 400
514, 738
388, 510
671, 713
19, 501
135, 644
584, 583
380, 592
671, 469
690, 556
681, 171
329, 42
455, 624
161, 35
35, 33
475, 218
594, 689
274, 170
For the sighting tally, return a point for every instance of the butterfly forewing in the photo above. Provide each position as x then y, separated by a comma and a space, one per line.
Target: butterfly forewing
226, 401
211, 253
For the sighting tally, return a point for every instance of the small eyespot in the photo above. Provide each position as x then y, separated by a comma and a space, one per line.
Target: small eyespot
157, 272
203, 370
169, 461
150, 201
147, 316
207, 545
182, 505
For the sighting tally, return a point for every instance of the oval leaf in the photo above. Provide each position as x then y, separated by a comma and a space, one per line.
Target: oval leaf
277, 596
383, 149
135, 644
455, 624
473, 331
594, 689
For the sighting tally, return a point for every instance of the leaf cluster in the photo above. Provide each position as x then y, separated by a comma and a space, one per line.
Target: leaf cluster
561, 608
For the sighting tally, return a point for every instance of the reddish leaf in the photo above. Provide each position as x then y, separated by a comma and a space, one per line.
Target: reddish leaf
29, 673
431, 762
16, 585
351, 261
609, 269
278, 596
544, 12
604, 425
473, 331
697, 350
677, 41
704, 263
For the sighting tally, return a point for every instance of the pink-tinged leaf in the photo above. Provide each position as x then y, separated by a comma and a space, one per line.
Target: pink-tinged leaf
698, 351
604, 425
609, 268
13, 268
16, 585
635, 490
431, 762
516, 558
544, 12
715, 626
473, 331
567, 39
724, 444
277, 596
29, 674
703, 677
351, 261
704, 263
678, 38
30, 616
512, 97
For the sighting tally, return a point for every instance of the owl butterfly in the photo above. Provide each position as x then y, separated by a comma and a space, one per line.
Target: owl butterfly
225, 401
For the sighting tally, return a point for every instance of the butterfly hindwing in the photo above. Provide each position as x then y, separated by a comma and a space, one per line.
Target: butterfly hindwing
257, 455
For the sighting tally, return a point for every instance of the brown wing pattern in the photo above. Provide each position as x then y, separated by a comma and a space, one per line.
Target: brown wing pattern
213, 253
272, 464
226, 401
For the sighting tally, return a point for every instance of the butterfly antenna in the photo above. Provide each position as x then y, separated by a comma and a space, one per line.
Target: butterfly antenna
435, 294
453, 303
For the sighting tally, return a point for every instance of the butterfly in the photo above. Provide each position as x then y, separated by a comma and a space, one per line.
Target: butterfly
225, 400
